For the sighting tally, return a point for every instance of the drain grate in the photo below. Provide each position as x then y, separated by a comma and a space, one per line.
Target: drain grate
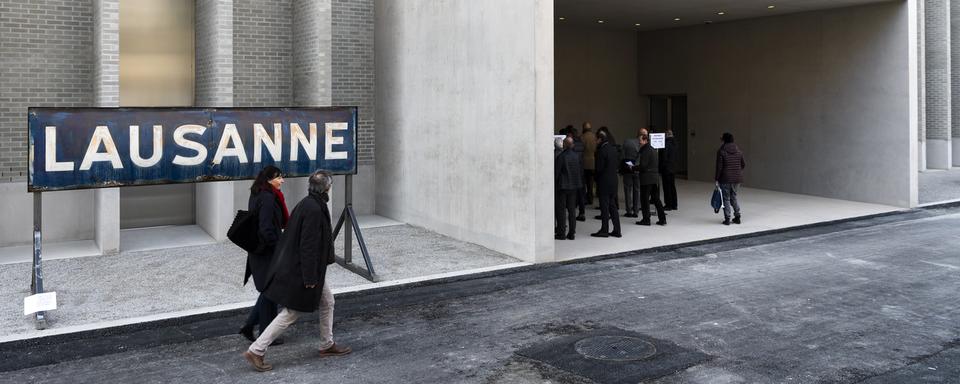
614, 356
615, 348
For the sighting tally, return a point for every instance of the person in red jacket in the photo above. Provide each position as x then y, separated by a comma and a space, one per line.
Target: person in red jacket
729, 176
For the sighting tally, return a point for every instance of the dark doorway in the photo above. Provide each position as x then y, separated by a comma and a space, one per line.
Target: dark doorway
670, 111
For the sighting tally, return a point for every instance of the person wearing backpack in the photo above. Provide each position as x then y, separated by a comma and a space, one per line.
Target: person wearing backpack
266, 200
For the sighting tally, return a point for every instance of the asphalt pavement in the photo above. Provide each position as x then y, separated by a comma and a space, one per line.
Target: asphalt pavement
865, 301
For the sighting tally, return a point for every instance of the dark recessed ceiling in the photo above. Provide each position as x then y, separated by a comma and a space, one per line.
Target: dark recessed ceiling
660, 14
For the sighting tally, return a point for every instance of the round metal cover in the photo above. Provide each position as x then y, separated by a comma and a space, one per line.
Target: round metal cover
615, 348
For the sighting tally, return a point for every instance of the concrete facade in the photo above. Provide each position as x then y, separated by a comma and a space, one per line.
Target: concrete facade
938, 84
467, 126
812, 119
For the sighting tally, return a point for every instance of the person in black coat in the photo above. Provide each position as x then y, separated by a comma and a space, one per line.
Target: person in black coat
569, 182
297, 277
648, 168
668, 158
268, 203
607, 166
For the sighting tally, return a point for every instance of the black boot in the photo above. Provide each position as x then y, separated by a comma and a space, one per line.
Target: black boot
726, 221
247, 332
736, 219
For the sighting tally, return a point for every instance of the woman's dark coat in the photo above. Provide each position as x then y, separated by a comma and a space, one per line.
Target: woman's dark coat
270, 216
304, 251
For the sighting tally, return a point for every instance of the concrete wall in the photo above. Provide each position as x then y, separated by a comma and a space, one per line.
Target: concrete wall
820, 102
597, 80
465, 121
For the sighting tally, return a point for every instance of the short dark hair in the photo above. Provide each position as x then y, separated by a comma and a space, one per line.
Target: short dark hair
727, 137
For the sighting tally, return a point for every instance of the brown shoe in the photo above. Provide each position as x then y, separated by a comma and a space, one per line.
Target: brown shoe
257, 361
335, 350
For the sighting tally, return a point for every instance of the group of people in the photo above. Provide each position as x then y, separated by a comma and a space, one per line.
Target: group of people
289, 266
585, 160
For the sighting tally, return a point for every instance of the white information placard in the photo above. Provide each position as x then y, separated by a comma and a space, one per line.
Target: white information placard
39, 303
658, 140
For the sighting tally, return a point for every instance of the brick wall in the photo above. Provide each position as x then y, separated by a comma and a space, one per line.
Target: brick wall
214, 45
46, 60
262, 59
938, 100
955, 67
353, 67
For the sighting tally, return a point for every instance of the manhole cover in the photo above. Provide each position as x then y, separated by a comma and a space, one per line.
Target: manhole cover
615, 348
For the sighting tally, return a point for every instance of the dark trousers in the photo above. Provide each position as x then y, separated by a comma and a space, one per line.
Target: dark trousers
608, 210
262, 313
582, 201
631, 192
651, 193
669, 190
566, 211
590, 181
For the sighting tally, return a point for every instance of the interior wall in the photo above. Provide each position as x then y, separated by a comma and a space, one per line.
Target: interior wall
818, 101
596, 80
464, 123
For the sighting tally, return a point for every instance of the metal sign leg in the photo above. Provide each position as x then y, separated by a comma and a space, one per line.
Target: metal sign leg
37, 279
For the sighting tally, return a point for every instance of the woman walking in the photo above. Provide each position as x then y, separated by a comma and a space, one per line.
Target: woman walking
268, 203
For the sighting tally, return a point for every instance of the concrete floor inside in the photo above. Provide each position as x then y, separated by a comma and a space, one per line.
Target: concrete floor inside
762, 210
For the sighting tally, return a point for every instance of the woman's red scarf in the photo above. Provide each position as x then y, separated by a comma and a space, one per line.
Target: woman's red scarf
283, 204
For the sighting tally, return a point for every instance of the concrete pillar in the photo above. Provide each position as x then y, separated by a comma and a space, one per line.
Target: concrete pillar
312, 74
542, 172
955, 82
106, 89
214, 88
921, 86
938, 88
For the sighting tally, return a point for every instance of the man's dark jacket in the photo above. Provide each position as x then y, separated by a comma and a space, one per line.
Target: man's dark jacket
569, 171
304, 251
647, 165
607, 167
269, 216
730, 164
668, 156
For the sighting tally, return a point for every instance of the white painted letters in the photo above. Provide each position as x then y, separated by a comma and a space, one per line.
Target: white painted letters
297, 137
178, 137
261, 138
330, 141
51, 164
135, 146
101, 135
230, 134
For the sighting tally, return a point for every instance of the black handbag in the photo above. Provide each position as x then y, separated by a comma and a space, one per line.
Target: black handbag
244, 231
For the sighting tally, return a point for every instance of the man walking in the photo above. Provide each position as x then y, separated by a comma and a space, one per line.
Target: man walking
607, 164
648, 169
569, 182
296, 279
729, 176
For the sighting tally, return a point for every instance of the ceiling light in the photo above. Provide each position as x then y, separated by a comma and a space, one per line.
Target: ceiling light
637, 24
676, 19
562, 18
721, 13
771, 6
600, 21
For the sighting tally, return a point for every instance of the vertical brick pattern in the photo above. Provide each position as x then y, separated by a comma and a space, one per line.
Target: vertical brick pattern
955, 67
353, 67
921, 73
311, 58
938, 88
46, 60
106, 53
214, 58
262, 53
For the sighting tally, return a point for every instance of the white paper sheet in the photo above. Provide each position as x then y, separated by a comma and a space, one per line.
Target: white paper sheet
39, 302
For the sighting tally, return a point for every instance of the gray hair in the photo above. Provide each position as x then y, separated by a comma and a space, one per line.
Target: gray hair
320, 182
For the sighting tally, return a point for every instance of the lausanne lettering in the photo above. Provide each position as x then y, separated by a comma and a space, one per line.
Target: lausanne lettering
102, 147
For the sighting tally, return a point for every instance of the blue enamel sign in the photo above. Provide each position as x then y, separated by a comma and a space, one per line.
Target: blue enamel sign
77, 148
